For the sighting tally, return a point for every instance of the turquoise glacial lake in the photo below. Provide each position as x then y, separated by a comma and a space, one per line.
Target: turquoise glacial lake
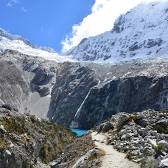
79, 132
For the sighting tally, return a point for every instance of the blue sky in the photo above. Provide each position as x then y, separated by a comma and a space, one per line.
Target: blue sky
43, 22
61, 24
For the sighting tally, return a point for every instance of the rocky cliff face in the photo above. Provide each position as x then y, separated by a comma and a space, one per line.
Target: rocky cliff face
73, 83
140, 33
85, 94
27, 82
134, 91
81, 94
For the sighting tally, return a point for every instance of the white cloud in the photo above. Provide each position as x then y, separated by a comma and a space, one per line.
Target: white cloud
23, 9
16, 3
11, 3
101, 19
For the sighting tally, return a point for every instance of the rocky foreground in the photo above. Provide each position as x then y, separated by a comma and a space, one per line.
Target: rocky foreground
142, 136
30, 142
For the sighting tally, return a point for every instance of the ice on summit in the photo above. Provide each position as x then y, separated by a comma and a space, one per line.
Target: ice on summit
17, 43
141, 33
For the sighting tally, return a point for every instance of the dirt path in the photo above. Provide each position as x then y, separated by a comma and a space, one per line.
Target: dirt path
112, 158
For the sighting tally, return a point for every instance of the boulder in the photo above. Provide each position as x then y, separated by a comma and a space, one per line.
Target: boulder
44, 91
7, 106
107, 126
122, 120
163, 163
163, 145
2, 129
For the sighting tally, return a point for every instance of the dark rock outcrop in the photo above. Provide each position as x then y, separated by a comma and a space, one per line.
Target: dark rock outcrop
127, 87
72, 86
126, 94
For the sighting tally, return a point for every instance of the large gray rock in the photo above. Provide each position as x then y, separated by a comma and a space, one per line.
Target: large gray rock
164, 163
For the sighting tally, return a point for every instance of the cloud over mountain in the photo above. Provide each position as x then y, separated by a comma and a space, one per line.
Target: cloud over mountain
101, 19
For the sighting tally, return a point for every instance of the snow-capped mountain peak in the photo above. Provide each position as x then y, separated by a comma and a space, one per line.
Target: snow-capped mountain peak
17, 43
140, 33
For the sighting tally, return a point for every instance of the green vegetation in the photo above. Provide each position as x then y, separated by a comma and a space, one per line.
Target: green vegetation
161, 128
3, 144
15, 125
149, 162
51, 138
159, 149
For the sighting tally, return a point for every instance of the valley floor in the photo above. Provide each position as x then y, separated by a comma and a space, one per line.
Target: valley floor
112, 158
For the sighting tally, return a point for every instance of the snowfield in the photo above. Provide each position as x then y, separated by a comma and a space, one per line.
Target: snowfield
13, 42
140, 33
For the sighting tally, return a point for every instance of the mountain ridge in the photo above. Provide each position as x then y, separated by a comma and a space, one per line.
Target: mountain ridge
17, 43
112, 96
140, 33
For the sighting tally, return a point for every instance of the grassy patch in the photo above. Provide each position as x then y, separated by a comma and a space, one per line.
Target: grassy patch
53, 137
3, 144
15, 125
161, 128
